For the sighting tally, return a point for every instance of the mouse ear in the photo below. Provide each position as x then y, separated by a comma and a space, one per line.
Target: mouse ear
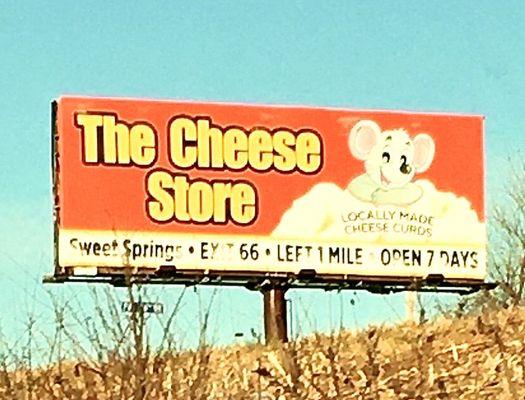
363, 137
424, 149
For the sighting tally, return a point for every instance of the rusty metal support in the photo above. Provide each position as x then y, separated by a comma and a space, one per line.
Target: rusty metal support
275, 315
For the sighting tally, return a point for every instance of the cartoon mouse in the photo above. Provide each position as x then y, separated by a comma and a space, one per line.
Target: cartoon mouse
391, 159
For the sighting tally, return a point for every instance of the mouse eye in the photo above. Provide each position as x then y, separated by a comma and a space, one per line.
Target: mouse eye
386, 157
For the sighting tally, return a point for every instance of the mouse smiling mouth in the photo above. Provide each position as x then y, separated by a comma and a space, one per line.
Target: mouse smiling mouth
384, 180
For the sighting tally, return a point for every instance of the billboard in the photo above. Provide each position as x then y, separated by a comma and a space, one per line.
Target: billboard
242, 190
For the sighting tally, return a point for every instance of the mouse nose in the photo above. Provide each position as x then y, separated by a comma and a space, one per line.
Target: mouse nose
405, 168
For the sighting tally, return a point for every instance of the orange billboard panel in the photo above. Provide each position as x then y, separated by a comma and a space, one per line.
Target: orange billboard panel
255, 188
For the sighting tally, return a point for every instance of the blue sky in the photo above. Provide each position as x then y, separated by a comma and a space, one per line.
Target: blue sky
457, 56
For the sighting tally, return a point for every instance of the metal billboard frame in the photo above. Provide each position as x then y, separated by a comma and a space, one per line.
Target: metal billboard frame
169, 274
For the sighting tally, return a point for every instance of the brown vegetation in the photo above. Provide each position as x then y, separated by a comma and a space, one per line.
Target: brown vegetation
479, 357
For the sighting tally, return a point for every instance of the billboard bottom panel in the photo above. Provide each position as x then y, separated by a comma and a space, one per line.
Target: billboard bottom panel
253, 255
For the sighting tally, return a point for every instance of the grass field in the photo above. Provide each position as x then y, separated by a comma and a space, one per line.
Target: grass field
480, 357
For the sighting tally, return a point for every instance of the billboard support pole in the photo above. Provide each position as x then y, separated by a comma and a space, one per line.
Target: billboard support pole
275, 315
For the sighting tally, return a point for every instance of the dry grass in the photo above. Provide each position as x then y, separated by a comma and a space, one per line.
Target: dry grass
451, 358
